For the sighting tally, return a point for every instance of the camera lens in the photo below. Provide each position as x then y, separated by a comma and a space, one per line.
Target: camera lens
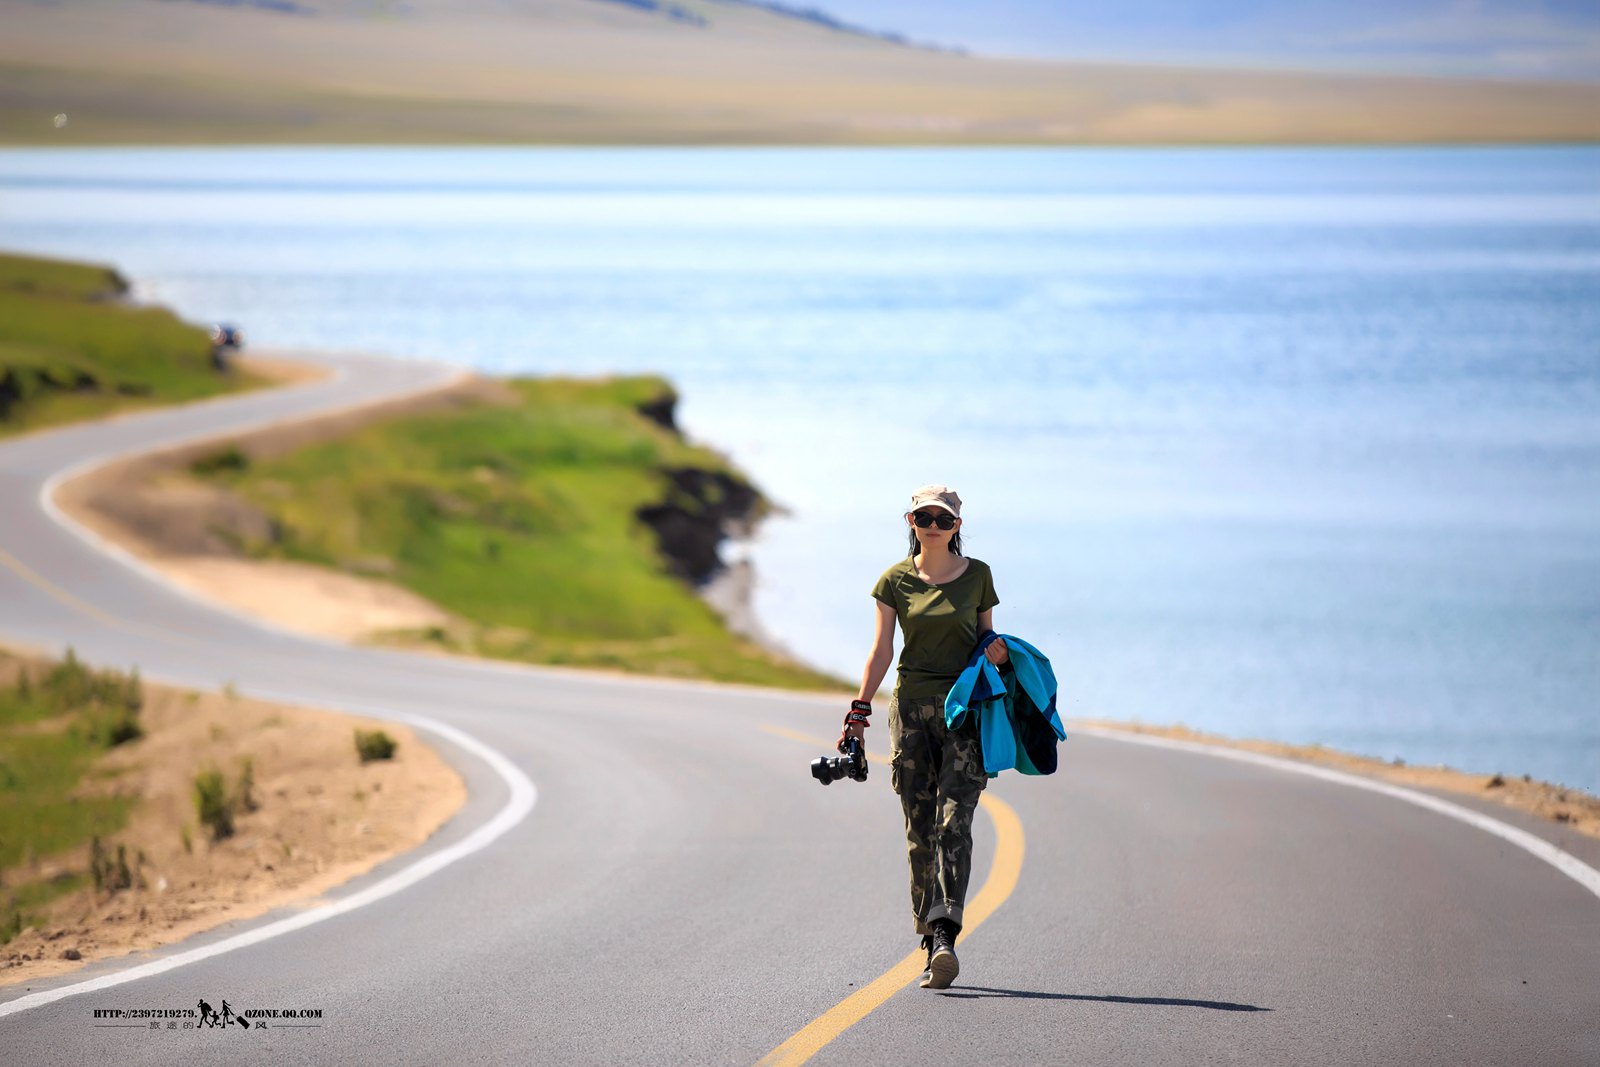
824, 771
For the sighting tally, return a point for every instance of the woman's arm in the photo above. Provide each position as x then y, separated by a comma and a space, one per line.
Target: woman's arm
877, 666
997, 648
882, 652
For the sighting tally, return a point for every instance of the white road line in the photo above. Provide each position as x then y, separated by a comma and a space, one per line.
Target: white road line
523, 797
1561, 860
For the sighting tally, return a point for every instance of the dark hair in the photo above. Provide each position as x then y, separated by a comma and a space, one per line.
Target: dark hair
955, 541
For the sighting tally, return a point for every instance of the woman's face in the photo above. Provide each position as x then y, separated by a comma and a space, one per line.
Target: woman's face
931, 534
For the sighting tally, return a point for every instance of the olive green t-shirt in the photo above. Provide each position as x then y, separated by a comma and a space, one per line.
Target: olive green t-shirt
940, 623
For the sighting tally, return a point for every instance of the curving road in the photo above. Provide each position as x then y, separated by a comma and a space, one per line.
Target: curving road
679, 891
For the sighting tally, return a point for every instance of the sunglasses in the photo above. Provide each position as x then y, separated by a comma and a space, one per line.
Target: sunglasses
924, 519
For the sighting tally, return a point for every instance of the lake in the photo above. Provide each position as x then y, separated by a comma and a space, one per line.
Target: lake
1290, 443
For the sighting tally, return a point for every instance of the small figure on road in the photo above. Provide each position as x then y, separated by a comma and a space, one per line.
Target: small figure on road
942, 601
226, 341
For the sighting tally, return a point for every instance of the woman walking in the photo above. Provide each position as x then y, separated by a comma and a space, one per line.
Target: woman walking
942, 601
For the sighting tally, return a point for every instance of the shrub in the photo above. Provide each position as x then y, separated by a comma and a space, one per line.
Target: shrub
107, 702
70, 682
109, 875
374, 744
213, 805
217, 805
244, 796
229, 459
114, 720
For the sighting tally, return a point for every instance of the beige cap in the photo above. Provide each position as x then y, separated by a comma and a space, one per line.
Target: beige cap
938, 496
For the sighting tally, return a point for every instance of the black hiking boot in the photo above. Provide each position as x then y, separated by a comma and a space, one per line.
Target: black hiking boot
942, 963
927, 964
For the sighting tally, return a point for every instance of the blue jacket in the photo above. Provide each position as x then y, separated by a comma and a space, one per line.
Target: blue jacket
1015, 705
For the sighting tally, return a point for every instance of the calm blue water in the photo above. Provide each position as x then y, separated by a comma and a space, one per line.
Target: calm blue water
1301, 444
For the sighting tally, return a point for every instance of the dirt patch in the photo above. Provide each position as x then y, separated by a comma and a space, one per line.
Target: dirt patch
195, 534
280, 371
322, 818
307, 598
1570, 807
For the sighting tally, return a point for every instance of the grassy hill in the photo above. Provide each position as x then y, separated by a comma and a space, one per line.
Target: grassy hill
73, 347
564, 521
665, 71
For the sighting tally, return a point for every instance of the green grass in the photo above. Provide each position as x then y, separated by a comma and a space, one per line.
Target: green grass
61, 279
52, 729
522, 518
71, 348
212, 803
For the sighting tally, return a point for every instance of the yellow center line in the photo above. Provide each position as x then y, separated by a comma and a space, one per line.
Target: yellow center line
71, 600
39, 581
1004, 871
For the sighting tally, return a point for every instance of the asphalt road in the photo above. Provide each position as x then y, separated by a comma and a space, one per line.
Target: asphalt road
682, 892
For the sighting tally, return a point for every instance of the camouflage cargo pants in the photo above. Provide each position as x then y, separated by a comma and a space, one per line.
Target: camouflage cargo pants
938, 774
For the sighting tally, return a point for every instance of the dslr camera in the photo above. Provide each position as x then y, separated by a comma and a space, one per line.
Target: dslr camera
853, 764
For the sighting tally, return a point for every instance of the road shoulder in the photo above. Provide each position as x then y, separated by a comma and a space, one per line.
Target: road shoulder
320, 817
1555, 804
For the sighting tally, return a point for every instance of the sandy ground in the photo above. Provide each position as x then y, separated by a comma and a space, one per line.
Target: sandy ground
576, 72
322, 818
280, 371
1571, 807
304, 597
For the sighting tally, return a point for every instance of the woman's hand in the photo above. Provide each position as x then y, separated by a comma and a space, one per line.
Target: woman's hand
856, 722
996, 651
856, 730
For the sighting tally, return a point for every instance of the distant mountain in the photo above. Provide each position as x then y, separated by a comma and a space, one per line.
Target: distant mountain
686, 14
679, 13
818, 17
1472, 38
676, 12
1521, 39
684, 71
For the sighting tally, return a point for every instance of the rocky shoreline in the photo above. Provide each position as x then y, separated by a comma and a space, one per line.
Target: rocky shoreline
702, 509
